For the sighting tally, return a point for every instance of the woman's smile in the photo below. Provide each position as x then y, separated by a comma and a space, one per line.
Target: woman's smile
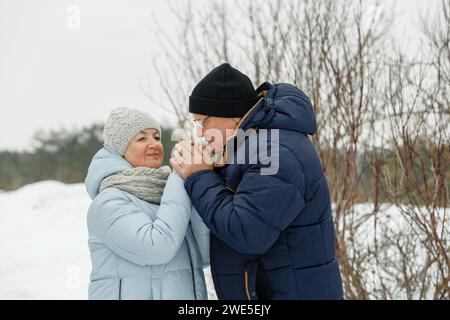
153, 154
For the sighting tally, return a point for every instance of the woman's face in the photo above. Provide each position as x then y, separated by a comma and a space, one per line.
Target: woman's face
145, 150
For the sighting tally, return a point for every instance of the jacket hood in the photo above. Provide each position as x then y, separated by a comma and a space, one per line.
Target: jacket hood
284, 107
105, 163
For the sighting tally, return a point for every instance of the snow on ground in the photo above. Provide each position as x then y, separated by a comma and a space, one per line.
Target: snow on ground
44, 252
390, 234
43, 242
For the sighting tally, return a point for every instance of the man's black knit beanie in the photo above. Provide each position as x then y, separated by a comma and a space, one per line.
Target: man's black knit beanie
224, 92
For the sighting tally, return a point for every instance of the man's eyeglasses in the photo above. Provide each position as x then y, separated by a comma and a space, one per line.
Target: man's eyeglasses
200, 124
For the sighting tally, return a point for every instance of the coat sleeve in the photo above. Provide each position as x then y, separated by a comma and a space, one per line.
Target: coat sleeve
251, 219
201, 235
133, 235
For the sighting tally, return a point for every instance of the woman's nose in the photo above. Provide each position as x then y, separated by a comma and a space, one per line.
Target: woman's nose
152, 145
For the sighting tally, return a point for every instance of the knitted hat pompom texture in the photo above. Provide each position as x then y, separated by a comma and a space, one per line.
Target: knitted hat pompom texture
123, 125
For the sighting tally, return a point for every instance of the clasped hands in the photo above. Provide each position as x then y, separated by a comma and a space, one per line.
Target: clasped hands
189, 157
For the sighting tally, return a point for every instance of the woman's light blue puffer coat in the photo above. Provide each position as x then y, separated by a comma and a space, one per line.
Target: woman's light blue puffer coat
141, 250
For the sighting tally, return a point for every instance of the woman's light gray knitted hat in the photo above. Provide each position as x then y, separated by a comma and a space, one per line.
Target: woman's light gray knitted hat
123, 125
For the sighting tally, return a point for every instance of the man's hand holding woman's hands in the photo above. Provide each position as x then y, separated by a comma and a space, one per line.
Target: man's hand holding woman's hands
190, 157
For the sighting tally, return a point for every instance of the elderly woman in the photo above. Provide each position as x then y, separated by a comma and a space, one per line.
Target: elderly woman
145, 238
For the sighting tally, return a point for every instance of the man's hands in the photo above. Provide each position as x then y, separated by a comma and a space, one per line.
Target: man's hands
190, 157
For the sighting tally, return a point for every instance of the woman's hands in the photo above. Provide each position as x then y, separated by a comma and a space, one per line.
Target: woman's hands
190, 157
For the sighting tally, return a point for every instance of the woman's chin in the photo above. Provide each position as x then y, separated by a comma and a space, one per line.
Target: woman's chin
153, 163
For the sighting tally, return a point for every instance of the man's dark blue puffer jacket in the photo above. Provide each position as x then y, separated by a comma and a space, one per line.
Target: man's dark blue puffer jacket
272, 236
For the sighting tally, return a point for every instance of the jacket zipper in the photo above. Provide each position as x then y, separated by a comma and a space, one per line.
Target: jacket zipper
120, 289
247, 291
192, 271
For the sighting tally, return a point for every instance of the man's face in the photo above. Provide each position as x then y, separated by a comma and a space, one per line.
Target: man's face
215, 130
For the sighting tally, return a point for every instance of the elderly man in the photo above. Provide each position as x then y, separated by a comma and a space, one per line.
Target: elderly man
272, 233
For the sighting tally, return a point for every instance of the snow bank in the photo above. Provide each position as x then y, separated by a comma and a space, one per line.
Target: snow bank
44, 252
43, 242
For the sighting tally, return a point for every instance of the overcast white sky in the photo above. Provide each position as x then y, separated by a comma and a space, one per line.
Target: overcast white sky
53, 77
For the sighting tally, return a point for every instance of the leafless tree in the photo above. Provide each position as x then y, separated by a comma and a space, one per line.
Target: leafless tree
383, 135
